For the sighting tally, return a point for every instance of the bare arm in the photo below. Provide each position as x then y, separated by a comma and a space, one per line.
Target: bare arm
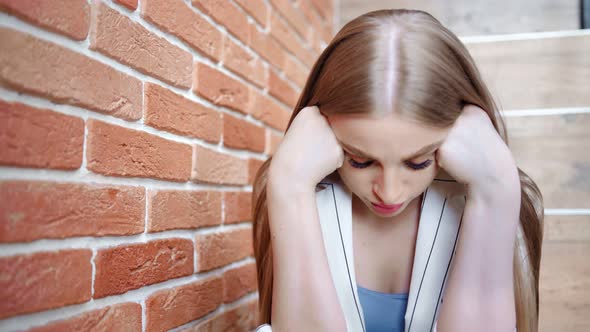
480, 290
304, 297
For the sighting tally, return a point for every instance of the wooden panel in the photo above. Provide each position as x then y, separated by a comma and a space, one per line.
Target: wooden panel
553, 151
565, 275
567, 229
536, 73
468, 18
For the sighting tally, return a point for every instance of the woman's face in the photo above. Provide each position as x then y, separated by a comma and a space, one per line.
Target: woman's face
387, 160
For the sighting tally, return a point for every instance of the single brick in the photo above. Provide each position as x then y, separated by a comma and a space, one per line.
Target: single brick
53, 72
171, 112
130, 4
296, 71
118, 317
219, 88
238, 282
280, 89
268, 111
133, 266
69, 18
327, 32
170, 308
45, 280
129, 43
175, 17
40, 138
284, 34
244, 63
32, 210
294, 17
311, 14
117, 151
238, 206
218, 249
175, 209
258, 9
324, 8
267, 47
210, 166
253, 166
241, 134
227, 14
240, 318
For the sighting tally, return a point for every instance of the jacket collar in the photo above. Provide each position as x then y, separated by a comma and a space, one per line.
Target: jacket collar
438, 232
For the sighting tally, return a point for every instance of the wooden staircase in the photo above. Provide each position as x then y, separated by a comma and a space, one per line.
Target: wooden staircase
542, 81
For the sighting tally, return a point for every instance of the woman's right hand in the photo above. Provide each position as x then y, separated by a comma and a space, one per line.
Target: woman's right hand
308, 152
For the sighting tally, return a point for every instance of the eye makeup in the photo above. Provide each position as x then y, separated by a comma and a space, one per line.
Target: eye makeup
422, 151
411, 165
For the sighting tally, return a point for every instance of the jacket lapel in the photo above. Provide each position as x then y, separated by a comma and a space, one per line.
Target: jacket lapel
335, 211
438, 229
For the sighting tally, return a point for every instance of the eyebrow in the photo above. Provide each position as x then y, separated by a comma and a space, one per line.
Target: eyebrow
418, 153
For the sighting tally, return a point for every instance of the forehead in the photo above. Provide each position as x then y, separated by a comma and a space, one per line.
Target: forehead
385, 135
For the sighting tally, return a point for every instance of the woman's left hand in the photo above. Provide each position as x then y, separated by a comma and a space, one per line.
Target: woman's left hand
474, 153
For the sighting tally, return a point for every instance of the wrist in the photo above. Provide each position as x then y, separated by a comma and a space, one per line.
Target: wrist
505, 187
281, 182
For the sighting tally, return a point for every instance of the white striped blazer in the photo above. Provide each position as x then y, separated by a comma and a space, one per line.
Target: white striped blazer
438, 231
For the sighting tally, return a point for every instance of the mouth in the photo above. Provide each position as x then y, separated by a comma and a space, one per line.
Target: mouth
385, 209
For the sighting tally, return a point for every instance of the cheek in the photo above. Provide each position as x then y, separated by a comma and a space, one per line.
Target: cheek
354, 181
358, 182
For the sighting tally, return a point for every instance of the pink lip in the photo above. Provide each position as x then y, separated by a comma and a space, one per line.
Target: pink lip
387, 208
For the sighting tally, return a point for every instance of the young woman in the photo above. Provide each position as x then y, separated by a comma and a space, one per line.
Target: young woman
394, 101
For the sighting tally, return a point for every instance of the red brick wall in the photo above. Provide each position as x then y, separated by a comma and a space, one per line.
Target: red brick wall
130, 131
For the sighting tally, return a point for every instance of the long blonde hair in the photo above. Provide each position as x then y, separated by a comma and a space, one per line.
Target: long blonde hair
435, 76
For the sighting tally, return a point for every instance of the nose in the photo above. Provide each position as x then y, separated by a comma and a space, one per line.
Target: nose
388, 188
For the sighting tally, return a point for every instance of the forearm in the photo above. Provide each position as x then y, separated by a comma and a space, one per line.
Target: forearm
480, 290
304, 296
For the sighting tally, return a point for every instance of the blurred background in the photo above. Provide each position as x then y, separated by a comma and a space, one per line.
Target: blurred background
130, 132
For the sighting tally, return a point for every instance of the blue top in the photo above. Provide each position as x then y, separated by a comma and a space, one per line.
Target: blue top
383, 311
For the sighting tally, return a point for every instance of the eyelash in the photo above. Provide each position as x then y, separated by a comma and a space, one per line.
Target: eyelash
413, 166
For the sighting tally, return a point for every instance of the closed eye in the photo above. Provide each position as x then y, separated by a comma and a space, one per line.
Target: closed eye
411, 165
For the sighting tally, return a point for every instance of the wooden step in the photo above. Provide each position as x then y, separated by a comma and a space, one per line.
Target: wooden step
468, 18
542, 72
565, 275
554, 151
